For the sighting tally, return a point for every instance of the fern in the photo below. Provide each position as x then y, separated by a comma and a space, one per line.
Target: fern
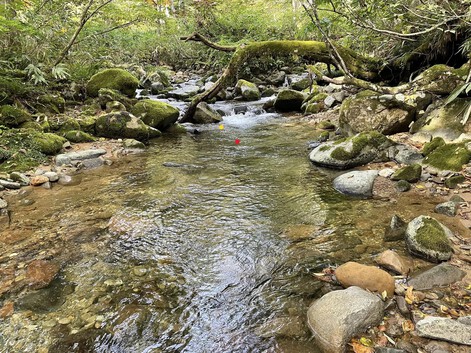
35, 74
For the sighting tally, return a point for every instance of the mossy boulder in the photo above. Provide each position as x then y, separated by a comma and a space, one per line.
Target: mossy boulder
33, 125
248, 90
124, 125
441, 79
116, 79
11, 88
386, 114
350, 152
87, 123
410, 173
50, 104
66, 125
301, 84
429, 239
453, 181
431, 146
107, 95
444, 120
78, 136
11, 116
289, 100
449, 157
206, 115
115, 106
176, 129
157, 114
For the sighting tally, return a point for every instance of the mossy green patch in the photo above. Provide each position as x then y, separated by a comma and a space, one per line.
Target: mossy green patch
157, 114
117, 79
107, 95
432, 236
359, 142
410, 173
50, 103
433, 145
11, 88
11, 116
248, 90
33, 125
302, 84
449, 157
68, 124
452, 182
326, 125
87, 123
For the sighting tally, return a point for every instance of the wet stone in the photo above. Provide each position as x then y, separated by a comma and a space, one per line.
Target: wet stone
45, 300
6, 310
40, 273
396, 230
283, 327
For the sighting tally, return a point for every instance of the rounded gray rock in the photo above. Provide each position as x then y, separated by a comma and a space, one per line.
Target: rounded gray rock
356, 183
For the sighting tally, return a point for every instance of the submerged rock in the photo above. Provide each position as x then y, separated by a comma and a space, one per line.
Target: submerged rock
339, 315
352, 152
72, 157
429, 239
366, 277
445, 329
356, 183
438, 276
40, 273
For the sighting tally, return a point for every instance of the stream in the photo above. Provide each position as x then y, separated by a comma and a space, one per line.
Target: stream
197, 245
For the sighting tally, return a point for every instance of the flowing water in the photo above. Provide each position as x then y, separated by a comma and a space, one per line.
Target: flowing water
197, 245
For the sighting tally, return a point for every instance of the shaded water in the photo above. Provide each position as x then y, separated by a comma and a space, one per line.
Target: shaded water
211, 246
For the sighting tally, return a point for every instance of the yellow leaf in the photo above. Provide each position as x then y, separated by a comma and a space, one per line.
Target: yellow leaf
366, 342
359, 348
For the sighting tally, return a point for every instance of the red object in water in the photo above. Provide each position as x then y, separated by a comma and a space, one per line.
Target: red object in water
237, 141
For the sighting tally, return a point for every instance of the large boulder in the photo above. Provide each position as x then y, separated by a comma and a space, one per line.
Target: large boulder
116, 79
351, 152
446, 329
339, 315
429, 239
438, 276
444, 121
441, 79
50, 103
356, 183
386, 114
124, 125
157, 114
205, 114
366, 277
289, 100
248, 90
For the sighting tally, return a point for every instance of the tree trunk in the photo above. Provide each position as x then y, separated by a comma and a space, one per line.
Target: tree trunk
361, 67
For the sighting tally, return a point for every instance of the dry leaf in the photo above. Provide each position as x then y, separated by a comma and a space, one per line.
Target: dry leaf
408, 326
410, 297
359, 348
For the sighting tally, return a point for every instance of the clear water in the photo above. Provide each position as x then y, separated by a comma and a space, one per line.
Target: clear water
213, 253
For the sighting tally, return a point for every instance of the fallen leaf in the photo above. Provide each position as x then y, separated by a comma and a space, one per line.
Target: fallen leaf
366, 342
408, 326
359, 348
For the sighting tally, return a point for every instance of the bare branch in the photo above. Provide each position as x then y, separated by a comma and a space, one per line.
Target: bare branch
196, 37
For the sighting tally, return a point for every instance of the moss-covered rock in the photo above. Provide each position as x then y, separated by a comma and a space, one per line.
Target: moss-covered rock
301, 85
453, 181
33, 125
107, 95
429, 239
50, 103
313, 108
116, 79
410, 173
386, 114
403, 186
87, 123
444, 120
449, 157
23, 149
206, 115
289, 100
10, 89
431, 146
350, 152
115, 106
78, 136
248, 90
176, 129
124, 125
157, 114
440, 79
326, 125
66, 125
11, 116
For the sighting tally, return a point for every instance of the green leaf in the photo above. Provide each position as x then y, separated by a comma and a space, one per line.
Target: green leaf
453, 95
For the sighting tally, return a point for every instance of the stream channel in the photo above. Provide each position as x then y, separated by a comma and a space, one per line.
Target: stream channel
211, 246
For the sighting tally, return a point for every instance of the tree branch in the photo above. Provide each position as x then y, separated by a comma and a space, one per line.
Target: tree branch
196, 37
124, 25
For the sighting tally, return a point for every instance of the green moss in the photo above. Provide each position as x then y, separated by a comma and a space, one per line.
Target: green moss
410, 173
432, 236
115, 106
359, 143
33, 125
13, 117
313, 108
403, 186
248, 90
117, 79
49, 103
289, 100
69, 124
11, 88
301, 85
449, 157
326, 125
87, 123
324, 148
157, 114
124, 125
47, 143
106, 95
324, 136
433, 145
176, 129
318, 98
452, 182
78, 136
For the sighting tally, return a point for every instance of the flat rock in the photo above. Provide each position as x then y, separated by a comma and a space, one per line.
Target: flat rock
92, 163
356, 183
444, 329
292, 327
392, 261
448, 208
20, 178
439, 276
39, 180
10, 184
69, 158
40, 273
339, 315
366, 277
